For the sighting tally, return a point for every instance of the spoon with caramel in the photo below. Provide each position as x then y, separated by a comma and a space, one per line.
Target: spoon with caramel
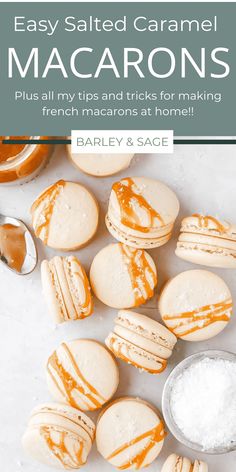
17, 248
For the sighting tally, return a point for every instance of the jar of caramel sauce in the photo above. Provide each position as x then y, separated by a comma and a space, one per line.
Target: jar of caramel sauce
20, 163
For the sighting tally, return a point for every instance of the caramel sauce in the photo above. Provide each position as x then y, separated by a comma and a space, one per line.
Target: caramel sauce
13, 246
139, 268
87, 304
59, 449
118, 353
210, 314
9, 151
203, 222
155, 435
69, 382
50, 194
26, 166
127, 196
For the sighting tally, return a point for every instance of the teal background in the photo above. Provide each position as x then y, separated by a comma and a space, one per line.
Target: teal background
19, 118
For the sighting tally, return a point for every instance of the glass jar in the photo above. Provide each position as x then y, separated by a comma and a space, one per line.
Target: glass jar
20, 163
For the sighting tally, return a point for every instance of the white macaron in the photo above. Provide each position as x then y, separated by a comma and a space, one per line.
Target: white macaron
65, 216
130, 433
175, 463
82, 373
141, 341
66, 289
100, 165
59, 436
196, 305
123, 277
141, 212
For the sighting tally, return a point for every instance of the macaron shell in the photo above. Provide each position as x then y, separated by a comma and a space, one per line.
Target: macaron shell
138, 434
69, 417
201, 299
134, 355
65, 216
206, 255
200, 466
122, 277
135, 241
100, 165
159, 198
143, 343
52, 292
82, 373
175, 463
208, 225
53, 438
147, 327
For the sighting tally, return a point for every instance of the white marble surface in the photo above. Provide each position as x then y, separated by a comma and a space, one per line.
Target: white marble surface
204, 179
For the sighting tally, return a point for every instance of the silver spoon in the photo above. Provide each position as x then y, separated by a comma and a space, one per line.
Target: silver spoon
17, 248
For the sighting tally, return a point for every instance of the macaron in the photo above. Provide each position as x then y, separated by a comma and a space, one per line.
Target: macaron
175, 463
141, 341
65, 216
141, 212
208, 241
83, 374
66, 289
130, 433
123, 277
100, 165
59, 436
196, 305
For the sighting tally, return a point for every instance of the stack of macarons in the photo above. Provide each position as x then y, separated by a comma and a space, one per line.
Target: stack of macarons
208, 241
141, 341
175, 463
141, 212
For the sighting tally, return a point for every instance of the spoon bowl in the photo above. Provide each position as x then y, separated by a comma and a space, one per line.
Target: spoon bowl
17, 248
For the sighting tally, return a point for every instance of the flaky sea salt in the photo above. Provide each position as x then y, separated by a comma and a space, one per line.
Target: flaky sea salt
203, 403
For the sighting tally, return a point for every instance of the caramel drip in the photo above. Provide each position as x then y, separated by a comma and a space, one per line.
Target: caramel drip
155, 435
59, 449
87, 305
51, 195
203, 222
13, 246
210, 314
118, 353
127, 196
139, 268
9, 151
70, 383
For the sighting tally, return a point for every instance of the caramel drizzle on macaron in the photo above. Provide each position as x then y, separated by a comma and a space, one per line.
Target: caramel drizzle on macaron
87, 304
127, 194
203, 222
120, 355
51, 194
70, 384
209, 314
138, 267
155, 436
59, 449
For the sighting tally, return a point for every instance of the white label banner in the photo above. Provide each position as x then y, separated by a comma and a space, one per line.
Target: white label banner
122, 141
